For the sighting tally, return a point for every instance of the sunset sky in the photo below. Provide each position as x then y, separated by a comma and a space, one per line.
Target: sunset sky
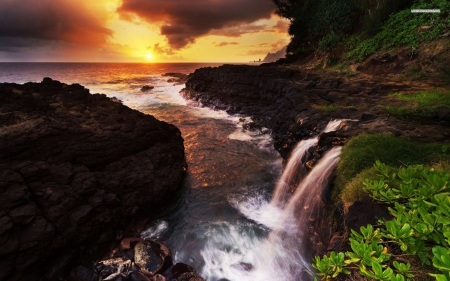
139, 30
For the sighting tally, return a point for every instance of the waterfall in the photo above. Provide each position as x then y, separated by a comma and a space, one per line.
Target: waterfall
294, 219
295, 169
293, 172
333, 125
301, 221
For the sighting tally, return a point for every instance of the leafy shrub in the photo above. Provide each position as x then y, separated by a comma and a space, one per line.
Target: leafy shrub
402, 29
420, 203
329, 41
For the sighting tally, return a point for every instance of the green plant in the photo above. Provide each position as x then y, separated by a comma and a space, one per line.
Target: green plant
362, 151
402, 29
329, 41
421, 227
330, 108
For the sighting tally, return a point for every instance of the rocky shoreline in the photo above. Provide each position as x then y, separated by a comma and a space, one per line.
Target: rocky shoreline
76, 170
297, 104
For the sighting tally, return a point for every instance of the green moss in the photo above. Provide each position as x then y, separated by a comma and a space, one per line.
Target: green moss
360, 153
420, 104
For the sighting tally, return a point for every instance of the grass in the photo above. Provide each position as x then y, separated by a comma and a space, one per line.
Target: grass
361, 152
330, 108
420, 104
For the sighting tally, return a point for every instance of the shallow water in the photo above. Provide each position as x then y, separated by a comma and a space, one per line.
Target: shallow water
222, 222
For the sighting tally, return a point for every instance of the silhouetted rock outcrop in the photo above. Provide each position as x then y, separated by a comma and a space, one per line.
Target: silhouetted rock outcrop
74, 169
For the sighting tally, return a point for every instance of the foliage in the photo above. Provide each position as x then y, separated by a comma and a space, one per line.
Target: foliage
329, 41
353, 191
421, 104
420, 204
402, 29
331, 108
314, 21
362, 151
375, 12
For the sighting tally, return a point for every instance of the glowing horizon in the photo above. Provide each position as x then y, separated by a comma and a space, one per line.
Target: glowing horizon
231, 31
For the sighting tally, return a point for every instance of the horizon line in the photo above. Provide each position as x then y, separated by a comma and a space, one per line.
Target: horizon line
227, 62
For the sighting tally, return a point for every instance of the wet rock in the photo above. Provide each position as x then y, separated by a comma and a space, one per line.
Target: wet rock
147, 88
130, 242
82, 273
363, 213
336, 242
152, 257
367, 116
443, 114
158, 277
138, 276
71, 172
184, 272
116, 277
243, 266
115, 265
181, 268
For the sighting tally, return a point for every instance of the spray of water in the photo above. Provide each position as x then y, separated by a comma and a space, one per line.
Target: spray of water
293, 172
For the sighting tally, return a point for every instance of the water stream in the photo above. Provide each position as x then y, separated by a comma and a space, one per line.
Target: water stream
226, 224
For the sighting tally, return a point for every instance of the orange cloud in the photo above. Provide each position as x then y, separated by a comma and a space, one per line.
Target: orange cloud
183, 21
25, 24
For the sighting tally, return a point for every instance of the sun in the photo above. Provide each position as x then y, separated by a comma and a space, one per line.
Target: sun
148, 56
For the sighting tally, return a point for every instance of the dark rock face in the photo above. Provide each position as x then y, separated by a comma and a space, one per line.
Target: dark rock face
293, 104
297, 105
74, 168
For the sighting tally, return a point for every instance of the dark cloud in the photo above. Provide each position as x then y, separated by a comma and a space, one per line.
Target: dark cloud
237, 31
27, 23
222, 44
185, 20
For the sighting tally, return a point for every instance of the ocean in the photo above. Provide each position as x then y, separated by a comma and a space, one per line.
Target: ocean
223, 218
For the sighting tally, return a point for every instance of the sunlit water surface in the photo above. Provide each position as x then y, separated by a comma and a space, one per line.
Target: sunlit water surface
222, 223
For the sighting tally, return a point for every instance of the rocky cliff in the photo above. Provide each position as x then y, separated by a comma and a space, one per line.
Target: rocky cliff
296, 104
75, 169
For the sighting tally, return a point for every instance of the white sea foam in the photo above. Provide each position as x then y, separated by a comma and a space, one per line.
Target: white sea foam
155, 231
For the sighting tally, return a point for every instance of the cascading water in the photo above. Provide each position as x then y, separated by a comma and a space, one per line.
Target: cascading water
333, 125
284, 253
293, 172
295, 169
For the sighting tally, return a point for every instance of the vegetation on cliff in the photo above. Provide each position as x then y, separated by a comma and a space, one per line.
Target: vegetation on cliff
412, 182
419, 233
355, 29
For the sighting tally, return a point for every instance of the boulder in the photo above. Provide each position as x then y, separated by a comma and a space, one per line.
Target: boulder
184, 272
152, 257
147, 88
138, 276
128, 243
75, 168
